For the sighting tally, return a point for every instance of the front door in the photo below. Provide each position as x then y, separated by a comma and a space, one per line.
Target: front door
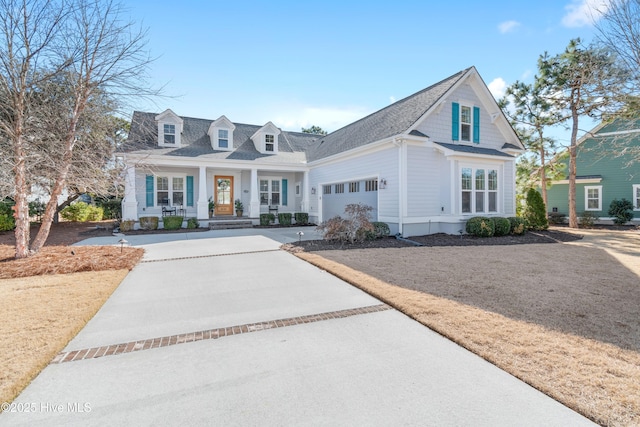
223, 186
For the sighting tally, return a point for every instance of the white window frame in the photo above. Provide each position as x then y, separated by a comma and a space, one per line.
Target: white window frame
636, 197
270, 190
170, 190
469, 123
586, 197
221, 138
270, 140
485, 192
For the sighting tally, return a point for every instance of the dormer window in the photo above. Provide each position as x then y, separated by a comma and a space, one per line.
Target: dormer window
169, 134
465, 122
269, 141
223, 138
169, 129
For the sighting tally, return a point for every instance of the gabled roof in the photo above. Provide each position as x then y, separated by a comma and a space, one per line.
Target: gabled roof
392, 120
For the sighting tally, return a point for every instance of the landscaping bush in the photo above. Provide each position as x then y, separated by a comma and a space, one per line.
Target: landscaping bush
621, 211
302, 218
284, 218
112, 208
172, 222
480, 226
81, 212
7, 222
557, 218
354, 228
518, 226
502, 226
535, 213
149, 222
587, 219
36, 209
192, 223
127, 225
267, 219
380, 230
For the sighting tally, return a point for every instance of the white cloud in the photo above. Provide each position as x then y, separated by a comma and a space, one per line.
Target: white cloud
497, 87
584, 12
392, 99
508, 26
328, 118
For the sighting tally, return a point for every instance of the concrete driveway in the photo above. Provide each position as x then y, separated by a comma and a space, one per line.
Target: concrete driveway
230, 330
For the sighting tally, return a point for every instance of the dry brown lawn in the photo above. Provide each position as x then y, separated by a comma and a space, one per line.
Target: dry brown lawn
564, 318
49, 297
39, 315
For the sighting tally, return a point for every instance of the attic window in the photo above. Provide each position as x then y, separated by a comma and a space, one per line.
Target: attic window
169, 134
223, 138
269, 142
465, 123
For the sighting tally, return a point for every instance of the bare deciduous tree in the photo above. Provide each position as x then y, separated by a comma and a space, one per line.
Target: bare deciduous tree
65, 64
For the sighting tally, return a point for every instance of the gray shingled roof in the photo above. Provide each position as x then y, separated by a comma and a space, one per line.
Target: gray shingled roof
473, 150
196, 143
392, 120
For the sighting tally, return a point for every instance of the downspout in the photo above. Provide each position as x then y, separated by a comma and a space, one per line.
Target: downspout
401, 154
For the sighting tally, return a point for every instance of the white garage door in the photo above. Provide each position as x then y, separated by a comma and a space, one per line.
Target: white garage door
336, 196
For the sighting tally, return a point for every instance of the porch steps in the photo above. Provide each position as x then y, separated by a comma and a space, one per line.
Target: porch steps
229, 224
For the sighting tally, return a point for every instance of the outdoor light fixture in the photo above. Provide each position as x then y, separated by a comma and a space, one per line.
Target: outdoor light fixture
313, 190
122, 243
383, 183
300, 234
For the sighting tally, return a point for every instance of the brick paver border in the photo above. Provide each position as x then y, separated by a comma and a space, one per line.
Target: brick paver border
210, 334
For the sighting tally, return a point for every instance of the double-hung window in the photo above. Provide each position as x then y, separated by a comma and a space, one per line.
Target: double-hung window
170, 190
270, 190
223, 138
593, 198
169, 134
465, 123
479, 190
269, 141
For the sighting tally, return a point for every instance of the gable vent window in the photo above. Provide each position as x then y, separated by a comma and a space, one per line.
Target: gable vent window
223, 138
269, 141
169, 134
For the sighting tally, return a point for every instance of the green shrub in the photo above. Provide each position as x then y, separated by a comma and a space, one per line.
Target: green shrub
76, 212
112, 208
587, 219
557, 218
36, 208
480, 226
172, 222
302, 218
192, 223
621, 211
149, 222
535, 213
7, 222
267, 219
127, 225
380, 230
94, 213
502, 226
284, 218
518, 226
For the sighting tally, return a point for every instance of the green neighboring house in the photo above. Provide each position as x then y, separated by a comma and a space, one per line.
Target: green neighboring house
602, 174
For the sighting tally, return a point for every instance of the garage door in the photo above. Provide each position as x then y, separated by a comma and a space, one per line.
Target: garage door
336, 196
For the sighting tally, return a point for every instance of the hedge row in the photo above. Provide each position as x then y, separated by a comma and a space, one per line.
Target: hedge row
482, 226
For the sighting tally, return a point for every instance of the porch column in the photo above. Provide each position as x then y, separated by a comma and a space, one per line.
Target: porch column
129, 203
305, 192
203, 202
254, 204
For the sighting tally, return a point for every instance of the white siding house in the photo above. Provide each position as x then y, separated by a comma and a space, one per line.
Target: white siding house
425, 164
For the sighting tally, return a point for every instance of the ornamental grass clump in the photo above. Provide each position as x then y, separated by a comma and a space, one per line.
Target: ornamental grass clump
480, 226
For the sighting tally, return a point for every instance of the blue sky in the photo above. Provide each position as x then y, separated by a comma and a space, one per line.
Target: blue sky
302, 63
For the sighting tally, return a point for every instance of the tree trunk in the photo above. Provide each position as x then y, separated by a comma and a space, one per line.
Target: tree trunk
543, 172
21, 208
573, 216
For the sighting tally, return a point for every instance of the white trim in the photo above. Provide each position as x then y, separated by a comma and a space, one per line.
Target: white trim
580, 181
586, 197
636, 197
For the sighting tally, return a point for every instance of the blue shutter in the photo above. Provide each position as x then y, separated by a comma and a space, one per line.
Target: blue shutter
189, 191
284, 192
476, 125
455, 121
149, 191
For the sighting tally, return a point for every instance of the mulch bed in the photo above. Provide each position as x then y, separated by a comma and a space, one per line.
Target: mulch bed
441, 239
